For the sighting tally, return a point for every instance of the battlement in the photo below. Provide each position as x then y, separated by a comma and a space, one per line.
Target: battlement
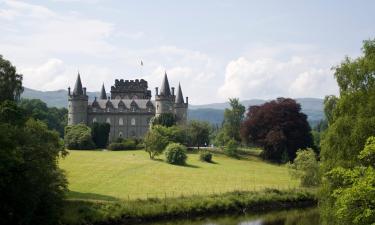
129, 89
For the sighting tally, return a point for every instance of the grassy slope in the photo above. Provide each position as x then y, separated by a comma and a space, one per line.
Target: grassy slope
107, 175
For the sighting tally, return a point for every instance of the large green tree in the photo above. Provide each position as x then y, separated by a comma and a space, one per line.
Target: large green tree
100, 134
352, 122
199, 132
10, 81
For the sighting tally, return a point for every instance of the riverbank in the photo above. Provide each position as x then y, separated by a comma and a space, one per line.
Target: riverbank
78, 212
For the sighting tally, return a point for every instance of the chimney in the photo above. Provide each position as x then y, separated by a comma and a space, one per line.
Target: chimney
69, 91
84, 91
187, 100
157, 90
173, 91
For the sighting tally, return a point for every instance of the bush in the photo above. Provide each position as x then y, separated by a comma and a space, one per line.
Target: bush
124, 144
306, 168
100, 134
176, 154
231, 148
205, 156
78, 137
154, 143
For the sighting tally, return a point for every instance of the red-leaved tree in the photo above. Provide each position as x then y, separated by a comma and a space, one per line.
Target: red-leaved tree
279, 127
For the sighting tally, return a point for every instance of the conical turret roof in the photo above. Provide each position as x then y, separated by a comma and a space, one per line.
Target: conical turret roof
180, 97
103, 94
165, 90
78, 86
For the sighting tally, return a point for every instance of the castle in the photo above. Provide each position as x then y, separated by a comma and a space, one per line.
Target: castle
129, 108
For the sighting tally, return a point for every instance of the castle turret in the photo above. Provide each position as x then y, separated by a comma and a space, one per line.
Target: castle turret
77, 104
103, 94
164, 99
180, 107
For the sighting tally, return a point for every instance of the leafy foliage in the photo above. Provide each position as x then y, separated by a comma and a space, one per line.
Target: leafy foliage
31, 184
165, 119
278, 126
199, 133
10, 82
78, 137
352, 123
231, 148
205, 156
155, 143
55, 118
124, 144
306, 168
233, 118
100, 134
176, 134
175, 153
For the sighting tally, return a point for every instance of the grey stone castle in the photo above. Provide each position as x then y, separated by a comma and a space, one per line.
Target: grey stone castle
129, 108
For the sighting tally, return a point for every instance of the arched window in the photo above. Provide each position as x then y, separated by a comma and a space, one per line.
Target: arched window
94, 120
108, 120
120, 122
132, 122
120, 134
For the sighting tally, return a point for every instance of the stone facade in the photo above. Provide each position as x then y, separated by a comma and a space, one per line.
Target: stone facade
129, 109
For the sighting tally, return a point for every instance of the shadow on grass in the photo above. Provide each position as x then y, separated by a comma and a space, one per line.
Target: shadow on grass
90, 196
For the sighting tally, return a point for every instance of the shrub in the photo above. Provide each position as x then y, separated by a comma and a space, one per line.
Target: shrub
155, 143
176, 154
78, 137
100, 134
231, 148
205, 156
125, 144
306, 168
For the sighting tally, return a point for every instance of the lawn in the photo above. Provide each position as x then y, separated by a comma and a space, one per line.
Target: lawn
111, 175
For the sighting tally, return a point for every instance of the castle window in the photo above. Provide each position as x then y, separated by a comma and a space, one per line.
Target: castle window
108, 110
94, 120
108, 120
121, 122
149, 109
120, 134
132, 122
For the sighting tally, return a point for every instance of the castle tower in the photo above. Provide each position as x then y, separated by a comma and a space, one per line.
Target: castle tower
77, 104
181, 107
103, 94
165, 99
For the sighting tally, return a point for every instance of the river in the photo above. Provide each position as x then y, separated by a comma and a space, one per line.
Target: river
308, 216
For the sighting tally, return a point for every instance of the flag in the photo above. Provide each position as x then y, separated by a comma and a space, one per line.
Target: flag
141, 63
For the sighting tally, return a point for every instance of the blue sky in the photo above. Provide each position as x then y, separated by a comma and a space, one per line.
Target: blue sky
216, 49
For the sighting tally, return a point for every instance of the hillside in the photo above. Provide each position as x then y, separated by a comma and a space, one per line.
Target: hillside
213, 113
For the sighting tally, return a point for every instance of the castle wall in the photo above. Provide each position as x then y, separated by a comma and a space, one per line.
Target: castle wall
77, 111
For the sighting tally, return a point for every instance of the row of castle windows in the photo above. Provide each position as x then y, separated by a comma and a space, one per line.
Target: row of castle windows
120, 121
133, 109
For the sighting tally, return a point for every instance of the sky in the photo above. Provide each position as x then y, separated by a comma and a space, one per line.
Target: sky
216, 49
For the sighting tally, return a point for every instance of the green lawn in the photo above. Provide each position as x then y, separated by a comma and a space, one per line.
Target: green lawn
111, 175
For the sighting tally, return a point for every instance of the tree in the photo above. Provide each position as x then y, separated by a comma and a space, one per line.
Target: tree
199, 133
233, 118
155, 143
175, 153
177, 134
55, 118
330, 103
279, 127
100, 133
78, 137
352, 123
10, 82
306, 168
165, 119
32, 186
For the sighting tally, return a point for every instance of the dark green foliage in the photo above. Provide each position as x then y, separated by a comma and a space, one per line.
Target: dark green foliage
55, 118
199, 133
155, 143
165, 119
100, 133
175, 153
10, 82
231, 148
205, 156
306, 168
177, 134
124, 144
31, 184
78, 137
352, 123
277, 126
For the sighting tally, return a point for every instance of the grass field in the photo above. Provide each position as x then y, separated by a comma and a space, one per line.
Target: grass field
112, 175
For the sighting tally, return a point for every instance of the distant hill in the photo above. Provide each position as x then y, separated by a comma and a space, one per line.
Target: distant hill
213, 113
